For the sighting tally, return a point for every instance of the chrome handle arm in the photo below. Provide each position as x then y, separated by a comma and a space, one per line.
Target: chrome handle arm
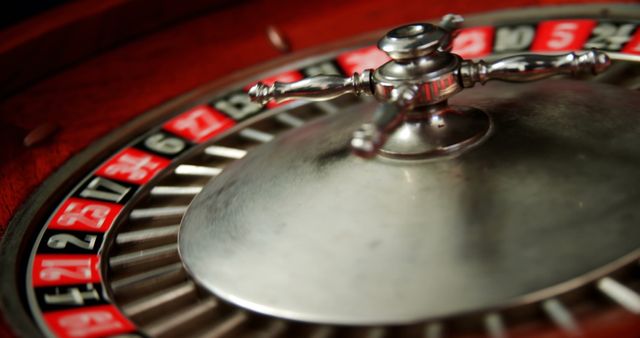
415, 84
368, 139
523, 68
317, 88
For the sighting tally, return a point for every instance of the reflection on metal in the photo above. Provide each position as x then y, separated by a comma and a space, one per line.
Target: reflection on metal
175, 191
147, 277
141, 257
147, 234
416, 84
130, 284
173, 323
229, 325
255, 135
197, 170
621, 294
302, 206
322, 331
275, 328
328, 107
317, 88
146, 261
494, 326
560, 316
532, 67
434, 330
156, 301
219, 151
289, 120
376, 332
158, 212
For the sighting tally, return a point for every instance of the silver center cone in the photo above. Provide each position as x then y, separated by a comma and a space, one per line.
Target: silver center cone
302, 229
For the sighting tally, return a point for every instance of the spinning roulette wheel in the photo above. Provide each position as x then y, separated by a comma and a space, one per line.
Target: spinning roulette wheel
420, 207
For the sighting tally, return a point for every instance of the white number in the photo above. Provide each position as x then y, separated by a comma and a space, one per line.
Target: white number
200, 123
115, 193
164, 144
91, 215
60, 241
89, 323
513, 38
74, 296
562, 35
136, 167
56, 269
238, 106
609, 36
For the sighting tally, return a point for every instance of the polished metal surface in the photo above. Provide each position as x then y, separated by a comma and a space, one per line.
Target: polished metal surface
317, 88
609, 298
302, 229
412, 41
522, 68
449, 131
421, 76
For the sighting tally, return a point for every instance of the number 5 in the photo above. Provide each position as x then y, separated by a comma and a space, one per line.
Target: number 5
562, 36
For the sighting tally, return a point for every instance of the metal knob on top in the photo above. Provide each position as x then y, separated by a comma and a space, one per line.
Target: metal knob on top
417, 122
412, 41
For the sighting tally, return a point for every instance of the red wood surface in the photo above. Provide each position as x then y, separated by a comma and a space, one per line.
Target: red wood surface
101, 93
64, 35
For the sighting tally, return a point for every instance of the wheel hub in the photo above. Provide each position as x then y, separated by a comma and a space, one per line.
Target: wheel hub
304, 230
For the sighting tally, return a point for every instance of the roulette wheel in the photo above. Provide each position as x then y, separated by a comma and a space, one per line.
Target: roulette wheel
158, 183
